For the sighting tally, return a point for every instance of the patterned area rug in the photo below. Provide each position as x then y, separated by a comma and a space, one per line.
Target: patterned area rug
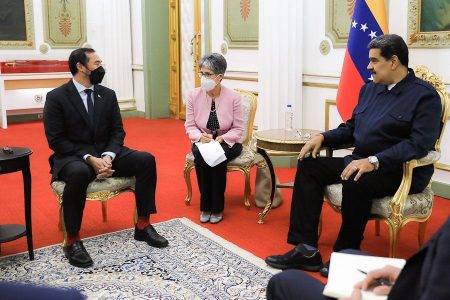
197, 265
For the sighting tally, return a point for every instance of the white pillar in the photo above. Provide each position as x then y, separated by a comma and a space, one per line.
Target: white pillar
280, 62
117, 52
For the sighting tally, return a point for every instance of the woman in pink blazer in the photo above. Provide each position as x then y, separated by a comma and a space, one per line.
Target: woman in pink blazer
213, 112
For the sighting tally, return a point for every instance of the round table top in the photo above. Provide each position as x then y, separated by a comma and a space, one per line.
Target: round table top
283, 136
17, 152
282, 141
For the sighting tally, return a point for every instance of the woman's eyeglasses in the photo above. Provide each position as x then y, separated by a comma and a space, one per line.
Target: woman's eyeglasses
207, 75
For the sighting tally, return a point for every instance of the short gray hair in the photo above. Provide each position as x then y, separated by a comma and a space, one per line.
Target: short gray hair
215, 62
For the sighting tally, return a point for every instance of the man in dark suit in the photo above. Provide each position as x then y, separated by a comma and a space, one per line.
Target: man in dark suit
84, 129
426, 275
397, 118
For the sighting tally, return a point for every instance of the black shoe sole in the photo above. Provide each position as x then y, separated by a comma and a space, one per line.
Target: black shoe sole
151, 244
297, 266
86, 265
80, 265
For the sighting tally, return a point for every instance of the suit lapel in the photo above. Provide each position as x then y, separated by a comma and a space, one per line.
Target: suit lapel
76, 101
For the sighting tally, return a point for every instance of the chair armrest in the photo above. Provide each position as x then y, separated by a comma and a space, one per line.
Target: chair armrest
431, 158
399, 199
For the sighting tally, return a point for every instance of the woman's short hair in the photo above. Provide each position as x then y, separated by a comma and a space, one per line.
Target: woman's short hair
215, 62
389, 45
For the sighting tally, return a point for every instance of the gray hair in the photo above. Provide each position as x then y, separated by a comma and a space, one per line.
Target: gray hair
215, 62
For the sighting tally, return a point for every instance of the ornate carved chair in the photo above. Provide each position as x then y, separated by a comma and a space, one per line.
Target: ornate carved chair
98, 190
402, 208
245, 161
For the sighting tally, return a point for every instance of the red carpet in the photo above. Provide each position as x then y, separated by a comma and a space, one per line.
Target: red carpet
166, 139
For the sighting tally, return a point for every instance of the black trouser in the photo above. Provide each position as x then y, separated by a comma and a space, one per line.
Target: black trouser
213, 180
78, 174
307, 199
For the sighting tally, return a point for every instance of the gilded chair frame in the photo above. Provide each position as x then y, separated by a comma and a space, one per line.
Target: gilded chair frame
397, 203
244, 169
102, 195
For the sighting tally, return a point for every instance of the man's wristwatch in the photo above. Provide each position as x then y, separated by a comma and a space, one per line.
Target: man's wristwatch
374, 161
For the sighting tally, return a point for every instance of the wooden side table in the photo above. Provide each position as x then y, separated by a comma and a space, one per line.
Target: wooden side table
19, 160
279, 142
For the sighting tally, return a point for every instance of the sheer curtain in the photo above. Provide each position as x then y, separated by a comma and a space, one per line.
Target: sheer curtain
280, 62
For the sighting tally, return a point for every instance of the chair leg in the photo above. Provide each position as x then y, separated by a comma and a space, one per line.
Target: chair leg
135, 217
421, 233
247, 188
394, 234
377, 227
104, 211
187, 177
63, 226
60, 222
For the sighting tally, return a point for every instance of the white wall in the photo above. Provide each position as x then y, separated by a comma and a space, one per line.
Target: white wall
137, 54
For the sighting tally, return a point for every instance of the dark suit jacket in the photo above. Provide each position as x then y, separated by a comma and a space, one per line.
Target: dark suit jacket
68, 129
426, 274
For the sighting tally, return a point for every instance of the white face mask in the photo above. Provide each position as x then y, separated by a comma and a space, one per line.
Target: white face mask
207, 84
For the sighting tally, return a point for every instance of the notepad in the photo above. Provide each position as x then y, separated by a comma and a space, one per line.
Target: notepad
344, 273
211, 152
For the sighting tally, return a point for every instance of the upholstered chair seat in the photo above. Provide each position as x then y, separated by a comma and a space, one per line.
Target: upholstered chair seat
98, 190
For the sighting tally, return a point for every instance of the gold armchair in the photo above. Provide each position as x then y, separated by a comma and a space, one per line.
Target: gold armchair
245, 161
98, 190
402, 208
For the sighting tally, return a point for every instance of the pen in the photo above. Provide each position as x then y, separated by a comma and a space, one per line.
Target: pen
380, 281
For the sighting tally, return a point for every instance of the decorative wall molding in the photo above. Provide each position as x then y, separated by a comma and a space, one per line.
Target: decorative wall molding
17, 26
64, 23
337, 21
240, 23
428, 24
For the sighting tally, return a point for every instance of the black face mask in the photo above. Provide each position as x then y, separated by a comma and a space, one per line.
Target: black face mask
97, 75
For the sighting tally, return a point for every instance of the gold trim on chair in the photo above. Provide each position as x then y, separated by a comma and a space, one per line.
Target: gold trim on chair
243, 163
97, 191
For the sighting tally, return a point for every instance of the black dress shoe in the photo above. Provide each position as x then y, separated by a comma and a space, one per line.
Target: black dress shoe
297, 258
149, 235
77, 255
325, 269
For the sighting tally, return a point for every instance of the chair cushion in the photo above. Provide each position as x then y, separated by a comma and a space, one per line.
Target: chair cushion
416, 204
246, 157
108, 184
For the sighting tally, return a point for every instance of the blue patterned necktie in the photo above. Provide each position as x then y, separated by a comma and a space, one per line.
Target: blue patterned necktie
90, 105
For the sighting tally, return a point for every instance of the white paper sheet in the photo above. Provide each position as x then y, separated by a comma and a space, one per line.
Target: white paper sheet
211, 152
344, 273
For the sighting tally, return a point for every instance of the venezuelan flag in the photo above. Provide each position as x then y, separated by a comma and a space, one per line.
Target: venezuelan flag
368, 21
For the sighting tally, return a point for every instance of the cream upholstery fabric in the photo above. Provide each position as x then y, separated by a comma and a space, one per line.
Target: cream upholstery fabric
417, 205
246, 157
108, 184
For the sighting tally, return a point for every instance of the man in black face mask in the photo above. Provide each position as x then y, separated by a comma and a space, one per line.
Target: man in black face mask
84, 129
